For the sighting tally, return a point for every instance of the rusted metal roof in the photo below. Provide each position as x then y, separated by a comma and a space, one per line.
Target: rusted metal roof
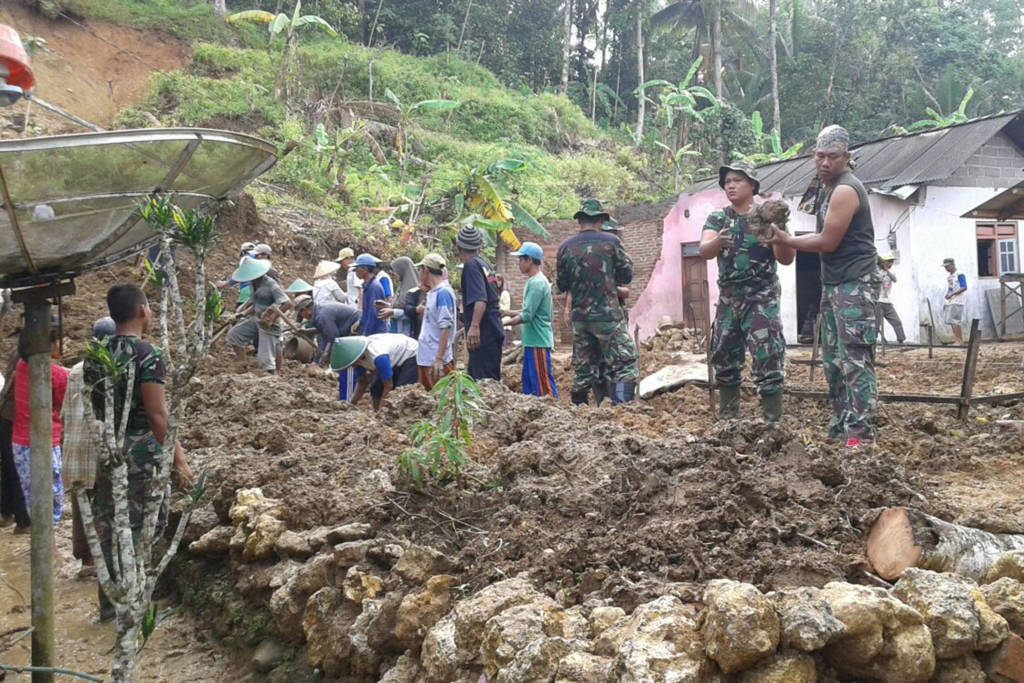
895, 161
1007, 205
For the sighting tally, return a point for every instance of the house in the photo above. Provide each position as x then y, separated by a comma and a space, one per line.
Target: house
922, 188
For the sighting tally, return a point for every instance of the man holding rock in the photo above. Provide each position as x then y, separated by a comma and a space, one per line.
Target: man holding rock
268, 303
747, 316
845, 238
591, 265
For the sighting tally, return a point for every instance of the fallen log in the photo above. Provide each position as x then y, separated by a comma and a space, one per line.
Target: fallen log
904, 537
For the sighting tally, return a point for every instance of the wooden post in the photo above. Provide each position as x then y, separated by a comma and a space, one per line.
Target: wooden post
814, 348
36, 341
711, 371
931, 329
970, 368
1003, 293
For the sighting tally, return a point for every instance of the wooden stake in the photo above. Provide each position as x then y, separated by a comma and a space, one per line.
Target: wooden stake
814, 348
931, 329
970, 369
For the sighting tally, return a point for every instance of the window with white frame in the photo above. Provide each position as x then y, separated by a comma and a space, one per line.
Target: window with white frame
997, 248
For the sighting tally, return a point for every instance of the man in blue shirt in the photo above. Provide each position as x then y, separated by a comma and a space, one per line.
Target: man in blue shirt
331, 320
382, 363
367, 270
480, 310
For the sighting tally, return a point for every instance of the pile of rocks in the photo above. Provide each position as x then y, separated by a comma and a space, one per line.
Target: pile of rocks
365, 608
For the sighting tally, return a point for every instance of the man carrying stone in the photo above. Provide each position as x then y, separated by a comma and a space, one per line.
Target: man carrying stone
845, 238
480, 309
747, 316
264, 325
591, 265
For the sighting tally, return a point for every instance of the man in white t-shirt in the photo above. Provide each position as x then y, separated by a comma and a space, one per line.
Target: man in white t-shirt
382, 362
885, 308
347, 259
954, 311
435, 358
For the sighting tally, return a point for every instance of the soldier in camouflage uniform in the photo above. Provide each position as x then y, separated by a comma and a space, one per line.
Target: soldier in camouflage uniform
748, 298
147, 420
845, 238
590, 267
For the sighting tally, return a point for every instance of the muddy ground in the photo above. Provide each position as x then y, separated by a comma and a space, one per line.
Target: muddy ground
621, 503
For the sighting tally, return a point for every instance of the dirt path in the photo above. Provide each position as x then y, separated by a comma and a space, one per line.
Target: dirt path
179, 650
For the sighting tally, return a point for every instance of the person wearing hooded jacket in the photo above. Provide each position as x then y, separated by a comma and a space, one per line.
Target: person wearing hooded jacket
406, 320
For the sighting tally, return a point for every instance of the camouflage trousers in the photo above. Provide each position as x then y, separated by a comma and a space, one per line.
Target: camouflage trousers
748, 320
602, 351
143, 452
848, 332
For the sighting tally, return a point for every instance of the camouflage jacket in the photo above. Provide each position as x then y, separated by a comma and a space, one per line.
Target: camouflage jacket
591, 265
149, 368
744, 261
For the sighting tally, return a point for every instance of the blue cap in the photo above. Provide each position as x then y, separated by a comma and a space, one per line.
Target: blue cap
531, 249
366, 260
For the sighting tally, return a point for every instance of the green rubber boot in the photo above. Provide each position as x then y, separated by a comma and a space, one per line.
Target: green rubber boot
728, 402
771, 407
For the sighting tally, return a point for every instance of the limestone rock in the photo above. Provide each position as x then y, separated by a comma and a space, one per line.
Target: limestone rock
806, 622
954, 611
250, 504
404, 670
418, 563
884, 639
253, 580
966, 669
782, 668
351, 553
283, 572
511, 630
439, 655
317, 538
287, 605
202, 521
571, 624
472, 613
293, 545
583, 667
237, 541
603, 617
213, 543
419, 611
355, 531
537, 661
316, 573
327, 619
260, 543
658, 641
1005, 664
1006, 598
359, 585
1009, 564
380, 633
268, 654
363, 658
740, 625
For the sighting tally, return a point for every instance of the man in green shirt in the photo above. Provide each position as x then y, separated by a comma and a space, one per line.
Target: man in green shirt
536, 318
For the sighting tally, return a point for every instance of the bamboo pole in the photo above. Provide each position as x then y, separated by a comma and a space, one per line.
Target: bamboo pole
970, 369
36, 341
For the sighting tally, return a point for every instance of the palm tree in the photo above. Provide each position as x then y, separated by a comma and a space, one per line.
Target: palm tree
563, 87
773, 51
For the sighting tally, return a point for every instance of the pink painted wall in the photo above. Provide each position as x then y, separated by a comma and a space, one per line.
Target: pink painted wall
663, 295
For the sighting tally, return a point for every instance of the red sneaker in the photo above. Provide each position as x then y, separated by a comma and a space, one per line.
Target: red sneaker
854, 441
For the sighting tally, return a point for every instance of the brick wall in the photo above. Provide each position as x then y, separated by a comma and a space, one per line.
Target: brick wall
641, 237
997, 163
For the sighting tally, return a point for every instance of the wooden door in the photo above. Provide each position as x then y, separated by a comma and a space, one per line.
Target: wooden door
696, 311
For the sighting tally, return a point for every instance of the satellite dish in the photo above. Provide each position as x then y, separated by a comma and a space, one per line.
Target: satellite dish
70, 202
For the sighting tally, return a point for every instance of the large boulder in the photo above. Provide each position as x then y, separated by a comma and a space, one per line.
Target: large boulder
439, 655
419, 611
740, 625
537, 661
883, 638
604, 616
511, 630
363, 658
806, 621
291, 544
354, 531
316, 573
1006, 598
404, 670
250, 504
782, 668
954, 610
472, 613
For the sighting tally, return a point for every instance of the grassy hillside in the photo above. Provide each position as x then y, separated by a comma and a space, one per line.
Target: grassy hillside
343, 107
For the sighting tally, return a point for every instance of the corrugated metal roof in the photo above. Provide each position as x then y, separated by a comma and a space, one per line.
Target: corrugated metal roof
890, 162
1007, 205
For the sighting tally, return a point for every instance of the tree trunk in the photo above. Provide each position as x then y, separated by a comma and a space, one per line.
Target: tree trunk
903, 537
220, 8
364, 22
641, 102
716, 46
465, 20
773, 30
563, 87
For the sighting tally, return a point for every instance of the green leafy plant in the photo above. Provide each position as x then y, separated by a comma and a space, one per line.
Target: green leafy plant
937, 120
191, 229
439, 445
487, 198
768, 145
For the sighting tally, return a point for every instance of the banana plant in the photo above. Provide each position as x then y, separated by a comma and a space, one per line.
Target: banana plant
484, 199
768, 146
407, 114
680, 103
276, 24
937, 120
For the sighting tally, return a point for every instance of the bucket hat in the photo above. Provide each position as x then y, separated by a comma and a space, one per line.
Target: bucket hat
263, 250
347, 351
325, 268
739, 167
469, 239
250, 269
299, 286
612, 225
531, 249
591, 208
345, 253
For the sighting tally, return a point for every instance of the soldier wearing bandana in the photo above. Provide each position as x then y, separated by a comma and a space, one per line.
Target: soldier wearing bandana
845, 238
